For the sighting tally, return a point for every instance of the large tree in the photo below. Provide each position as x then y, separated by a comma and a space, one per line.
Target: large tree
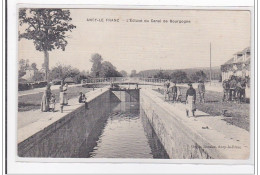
96, 59
47, 28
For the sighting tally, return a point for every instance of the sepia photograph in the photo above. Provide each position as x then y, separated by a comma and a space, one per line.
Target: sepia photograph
134, 83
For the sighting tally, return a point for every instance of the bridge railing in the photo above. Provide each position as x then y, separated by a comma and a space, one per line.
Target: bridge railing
103, 80
124, 79
153, 80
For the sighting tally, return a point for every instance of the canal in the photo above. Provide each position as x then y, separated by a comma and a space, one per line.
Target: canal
112, 126
127, 133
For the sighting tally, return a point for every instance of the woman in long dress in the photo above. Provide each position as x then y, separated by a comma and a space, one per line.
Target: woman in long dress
65, 88
45, 103
190, 101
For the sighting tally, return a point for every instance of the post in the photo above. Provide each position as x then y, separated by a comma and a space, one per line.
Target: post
210, 63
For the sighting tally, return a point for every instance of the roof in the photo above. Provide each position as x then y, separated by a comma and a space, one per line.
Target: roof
240, 58
69, 79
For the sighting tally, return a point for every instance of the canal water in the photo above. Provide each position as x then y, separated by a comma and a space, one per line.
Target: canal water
127, 133
112, 126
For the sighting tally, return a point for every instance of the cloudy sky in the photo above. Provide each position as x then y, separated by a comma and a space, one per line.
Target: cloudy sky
142, 46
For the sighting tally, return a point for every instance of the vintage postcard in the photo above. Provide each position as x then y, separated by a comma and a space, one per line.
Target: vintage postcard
134, 83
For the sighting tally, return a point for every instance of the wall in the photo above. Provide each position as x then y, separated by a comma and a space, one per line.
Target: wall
178, 141
68, 136
127, 95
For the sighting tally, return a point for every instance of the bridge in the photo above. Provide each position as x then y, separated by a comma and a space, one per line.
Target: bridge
124, 81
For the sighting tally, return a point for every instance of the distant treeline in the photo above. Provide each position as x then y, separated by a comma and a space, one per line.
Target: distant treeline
183, 75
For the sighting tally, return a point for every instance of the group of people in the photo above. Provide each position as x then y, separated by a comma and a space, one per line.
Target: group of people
49, 100
234, 89
174, 94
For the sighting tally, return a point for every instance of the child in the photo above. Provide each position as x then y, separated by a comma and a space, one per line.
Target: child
52, 102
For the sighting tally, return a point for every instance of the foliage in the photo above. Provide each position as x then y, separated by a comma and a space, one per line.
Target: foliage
96, 60
198, 76
162, 75
46, 27
23, 65
108, 70
133, 73
123, 73
38, 76
34, 66
62, 71
179, 77
102, 69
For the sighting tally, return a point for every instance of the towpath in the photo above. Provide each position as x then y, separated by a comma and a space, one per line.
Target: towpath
30, 122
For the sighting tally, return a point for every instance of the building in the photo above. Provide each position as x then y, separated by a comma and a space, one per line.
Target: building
238, 65
29, 73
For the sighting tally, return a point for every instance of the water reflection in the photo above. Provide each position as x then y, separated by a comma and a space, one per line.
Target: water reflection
127, 134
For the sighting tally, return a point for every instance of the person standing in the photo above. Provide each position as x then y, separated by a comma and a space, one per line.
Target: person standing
45, 103
179, 94
243, 90
166, 90
174, 93
201, 89
233, 84
61, 97
190, 101
226, 90
65, 90
238, 91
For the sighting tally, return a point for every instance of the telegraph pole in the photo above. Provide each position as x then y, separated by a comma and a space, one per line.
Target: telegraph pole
210, 62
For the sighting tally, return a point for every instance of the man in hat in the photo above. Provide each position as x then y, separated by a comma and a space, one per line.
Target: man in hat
201, 90
190, 101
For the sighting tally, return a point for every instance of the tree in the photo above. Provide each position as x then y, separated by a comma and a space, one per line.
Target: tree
162, 75
61, 72
34, 66
133, 73
38, 76
96, 59
47, 28
123, 73
22, 68
108, 70
198, 76
179, 77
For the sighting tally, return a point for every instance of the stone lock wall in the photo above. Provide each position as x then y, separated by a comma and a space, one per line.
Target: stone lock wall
68, 136
178, 142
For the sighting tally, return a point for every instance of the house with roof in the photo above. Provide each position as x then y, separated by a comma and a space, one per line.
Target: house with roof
29, 73
238, 65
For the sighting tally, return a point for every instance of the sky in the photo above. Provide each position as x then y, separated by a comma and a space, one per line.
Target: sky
149, 45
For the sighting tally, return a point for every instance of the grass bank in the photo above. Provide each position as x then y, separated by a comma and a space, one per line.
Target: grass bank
237, 114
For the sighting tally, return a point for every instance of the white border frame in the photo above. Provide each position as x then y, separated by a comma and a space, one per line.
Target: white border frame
12, 58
